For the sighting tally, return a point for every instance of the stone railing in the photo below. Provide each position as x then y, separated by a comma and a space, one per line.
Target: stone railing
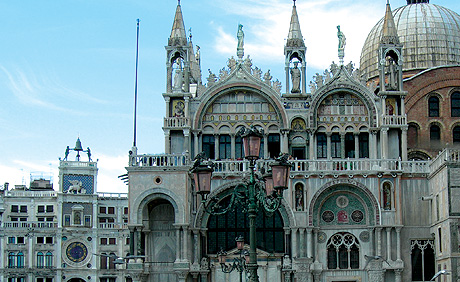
447, 155
112, 226
31, 194
29, 224
77, 164
162, 160
112, 195
394, 120
345, 166
176, 122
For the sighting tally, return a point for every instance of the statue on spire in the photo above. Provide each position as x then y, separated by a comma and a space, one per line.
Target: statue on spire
342, 43
240, 36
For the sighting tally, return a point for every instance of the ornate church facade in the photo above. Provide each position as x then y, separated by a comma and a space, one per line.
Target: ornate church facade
371, 196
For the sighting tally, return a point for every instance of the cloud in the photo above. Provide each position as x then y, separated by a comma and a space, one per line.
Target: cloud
36, 91
110, 167
266, 25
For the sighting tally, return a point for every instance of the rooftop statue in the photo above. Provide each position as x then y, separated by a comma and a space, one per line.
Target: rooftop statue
240, 36
342, 43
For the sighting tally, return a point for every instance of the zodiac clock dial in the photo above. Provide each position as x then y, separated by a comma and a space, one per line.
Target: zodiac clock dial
76, 252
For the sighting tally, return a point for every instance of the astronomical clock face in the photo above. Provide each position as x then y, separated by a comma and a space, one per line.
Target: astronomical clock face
76, 252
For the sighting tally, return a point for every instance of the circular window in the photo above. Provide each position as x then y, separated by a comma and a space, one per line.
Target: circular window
157, 180
328, 216
357, 216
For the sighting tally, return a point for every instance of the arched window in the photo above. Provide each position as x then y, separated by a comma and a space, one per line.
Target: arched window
20, 260
412, 135
239, 154
49, 259
435, 133
225, 147
223, 229
455, 104
386, 191
103, 261
433, 106
111, 261
363, 145
336, 151
456, 134
423, 260
321, 145
11, 260
208, 145
40, 260
349, 145
343, 251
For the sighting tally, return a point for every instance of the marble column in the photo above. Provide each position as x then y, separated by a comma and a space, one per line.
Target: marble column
169, 78
312, 146
329, 149
356, 135
373, 144
404, 143
168, 107
265, 147
185, 238
167, 143
302, 242
398, 277
216, 146
178, 249
389, 246
294, 242
309, 243
378, 235
232, 146
342, 145
196, 145
398, 243
384, 142
287, 70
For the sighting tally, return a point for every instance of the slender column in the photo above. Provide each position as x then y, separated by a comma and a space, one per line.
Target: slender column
187, 102
302, 242
196, 145
373, 144
196, 236
403, 107
342, 145
178, 251
303, 70
285, 147
404, 143
398, 243
168, 107
388, 230
328, 135
186, 77
309, 243
356, 135
186, 140
185, 242
168, 78
294, 242
216, 146
266, 146
287, 78
232, 145
312, 146
378, 234
384, 106
315, 240
398, 277
384, 142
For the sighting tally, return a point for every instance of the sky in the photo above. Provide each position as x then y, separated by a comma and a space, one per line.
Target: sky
67, 68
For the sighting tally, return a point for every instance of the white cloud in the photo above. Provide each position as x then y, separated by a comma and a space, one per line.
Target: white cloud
110, 167
266, 25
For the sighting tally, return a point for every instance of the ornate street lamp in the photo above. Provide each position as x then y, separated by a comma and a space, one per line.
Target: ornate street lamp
251, 195
239, 263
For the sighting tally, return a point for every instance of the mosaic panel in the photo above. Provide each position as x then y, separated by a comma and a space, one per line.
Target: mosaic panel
87, 183
342, 208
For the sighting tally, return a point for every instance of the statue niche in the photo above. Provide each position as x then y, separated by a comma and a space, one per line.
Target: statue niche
295, 77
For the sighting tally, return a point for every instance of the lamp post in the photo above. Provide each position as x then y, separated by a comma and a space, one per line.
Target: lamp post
239, 263
251, 195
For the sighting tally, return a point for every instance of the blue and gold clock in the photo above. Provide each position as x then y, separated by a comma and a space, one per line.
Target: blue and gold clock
76, 252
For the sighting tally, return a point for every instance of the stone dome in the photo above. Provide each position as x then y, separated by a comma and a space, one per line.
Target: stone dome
430, 35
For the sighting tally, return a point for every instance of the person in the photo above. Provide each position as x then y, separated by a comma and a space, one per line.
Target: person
240, 36
295, 77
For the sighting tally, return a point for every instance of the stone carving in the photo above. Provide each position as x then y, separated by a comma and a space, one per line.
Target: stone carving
295, 77
268, 78
334, 68
327, 76
223, 73
312, 87
364, 236
319, 80
392, 74
231, 64
257, 73
240, 36
350, 67
342, 43
204, 263
211, 78
277, 86
75, 187
178, 77
287, 262
248, 63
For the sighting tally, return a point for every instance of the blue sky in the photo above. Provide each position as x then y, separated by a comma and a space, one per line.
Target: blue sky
67, 68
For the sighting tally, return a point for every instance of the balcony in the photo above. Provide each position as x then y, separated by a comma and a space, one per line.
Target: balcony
393, 120
29, 224
162, 160
31, 194
176, 122
112, 226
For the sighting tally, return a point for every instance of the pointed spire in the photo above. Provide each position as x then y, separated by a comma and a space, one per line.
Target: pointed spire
295, 38
389, 32
178, 35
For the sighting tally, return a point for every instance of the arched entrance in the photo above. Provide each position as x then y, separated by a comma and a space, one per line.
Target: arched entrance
76, 280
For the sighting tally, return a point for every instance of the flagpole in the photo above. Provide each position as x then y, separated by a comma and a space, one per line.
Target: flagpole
135, 85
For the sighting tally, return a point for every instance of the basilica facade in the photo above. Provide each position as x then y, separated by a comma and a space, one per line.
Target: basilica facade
373, 187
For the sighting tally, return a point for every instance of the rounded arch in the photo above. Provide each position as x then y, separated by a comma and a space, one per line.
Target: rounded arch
346, 88
76, 279
387, 194
418, 155
345, 185
149, 195
202, 217
268, 94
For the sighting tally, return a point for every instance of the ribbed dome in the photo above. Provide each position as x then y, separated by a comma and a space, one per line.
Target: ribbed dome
430, 35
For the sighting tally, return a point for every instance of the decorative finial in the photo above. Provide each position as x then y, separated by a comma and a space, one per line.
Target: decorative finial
178, 2
294, 2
